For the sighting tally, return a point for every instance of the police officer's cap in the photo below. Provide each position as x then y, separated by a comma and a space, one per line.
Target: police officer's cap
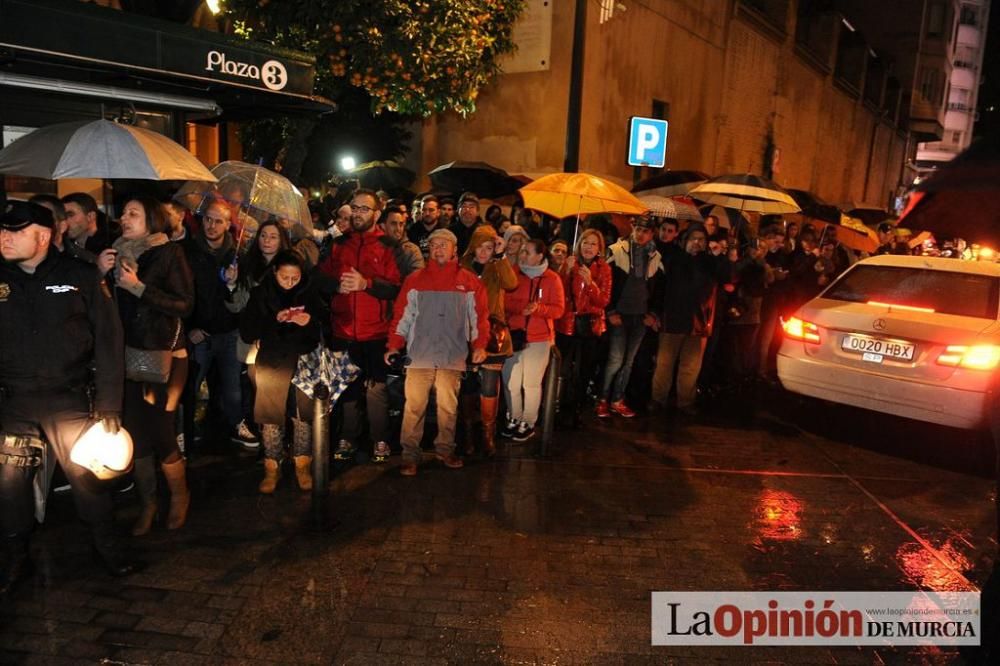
19, 214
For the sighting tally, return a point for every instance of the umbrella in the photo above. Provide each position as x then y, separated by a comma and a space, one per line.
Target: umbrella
853, 233
100, 149
814, 207
261, 192
746, 193
679, 208
962, 198
670, 183
484, 179
869, 213
384, 175
567, 194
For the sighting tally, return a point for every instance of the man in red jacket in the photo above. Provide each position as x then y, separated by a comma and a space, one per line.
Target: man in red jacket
363, 260
440, 314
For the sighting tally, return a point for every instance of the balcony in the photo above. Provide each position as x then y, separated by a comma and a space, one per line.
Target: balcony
959, 106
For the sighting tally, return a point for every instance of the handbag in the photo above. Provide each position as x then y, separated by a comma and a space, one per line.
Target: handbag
583, 325
498, 336
150, 366
519, 338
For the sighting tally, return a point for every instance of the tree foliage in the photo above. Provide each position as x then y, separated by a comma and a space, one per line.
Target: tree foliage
412, 57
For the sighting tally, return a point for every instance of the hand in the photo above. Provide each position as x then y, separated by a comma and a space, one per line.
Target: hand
615, 319
499, 245
197, 336
585, 275
231, 273
112, 422
127, 278
651, 321
106, 260
478, 356
299, 318
391, 356
530, 308
734, 254
571, 262
780, 274
818, 267
352, 281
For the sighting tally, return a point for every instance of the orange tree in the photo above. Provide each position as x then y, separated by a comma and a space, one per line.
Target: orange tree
392, 60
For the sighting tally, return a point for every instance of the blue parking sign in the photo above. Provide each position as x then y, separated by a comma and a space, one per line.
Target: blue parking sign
647, 144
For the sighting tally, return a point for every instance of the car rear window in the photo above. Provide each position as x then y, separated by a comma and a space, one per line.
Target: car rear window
947, 292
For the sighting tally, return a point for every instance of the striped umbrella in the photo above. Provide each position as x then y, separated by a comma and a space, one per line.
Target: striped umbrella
678, 208
746, 192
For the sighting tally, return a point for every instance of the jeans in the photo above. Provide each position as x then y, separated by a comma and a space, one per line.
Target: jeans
623, 345
685, 352
419, 382
220, 349
370, 384
522, 378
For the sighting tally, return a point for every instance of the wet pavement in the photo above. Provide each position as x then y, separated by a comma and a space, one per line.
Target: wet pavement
525, 560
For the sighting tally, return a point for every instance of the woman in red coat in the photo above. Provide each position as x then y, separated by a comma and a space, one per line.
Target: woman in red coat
532, 308
586, 279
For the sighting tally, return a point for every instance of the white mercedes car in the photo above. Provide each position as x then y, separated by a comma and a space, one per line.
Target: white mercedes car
917, 337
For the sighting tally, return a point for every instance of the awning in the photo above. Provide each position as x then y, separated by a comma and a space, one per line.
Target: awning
95, 49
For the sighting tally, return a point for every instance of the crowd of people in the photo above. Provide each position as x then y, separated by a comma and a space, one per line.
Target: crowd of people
436, 303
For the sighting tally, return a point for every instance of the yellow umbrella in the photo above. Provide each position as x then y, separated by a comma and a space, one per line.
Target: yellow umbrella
565, 194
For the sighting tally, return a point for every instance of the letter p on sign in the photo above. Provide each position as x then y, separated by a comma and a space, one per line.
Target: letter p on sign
647, 145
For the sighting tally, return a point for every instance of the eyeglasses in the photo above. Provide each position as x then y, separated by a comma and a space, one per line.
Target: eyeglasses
215, 220
469, 204
361, 209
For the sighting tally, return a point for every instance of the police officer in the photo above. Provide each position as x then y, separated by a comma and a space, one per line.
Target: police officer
46, 388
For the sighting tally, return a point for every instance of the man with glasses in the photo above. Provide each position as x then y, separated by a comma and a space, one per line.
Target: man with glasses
363, 264
212, 328
468, 220
430, 215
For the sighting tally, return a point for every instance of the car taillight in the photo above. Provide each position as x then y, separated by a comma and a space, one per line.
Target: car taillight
796, 329
974, 357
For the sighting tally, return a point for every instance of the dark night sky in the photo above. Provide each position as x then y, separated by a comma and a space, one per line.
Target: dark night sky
989, 92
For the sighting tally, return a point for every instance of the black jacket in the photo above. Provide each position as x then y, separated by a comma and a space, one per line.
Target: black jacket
281, 343
689, 289
153, 320
210, 291
59, 331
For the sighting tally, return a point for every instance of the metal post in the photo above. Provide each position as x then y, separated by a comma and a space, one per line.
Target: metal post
550, 396
321, 457
571, 161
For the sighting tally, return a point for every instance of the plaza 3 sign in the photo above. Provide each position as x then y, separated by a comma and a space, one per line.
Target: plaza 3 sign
272, 73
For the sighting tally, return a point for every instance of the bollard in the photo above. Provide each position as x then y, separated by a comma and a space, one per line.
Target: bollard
321, 457
550, 396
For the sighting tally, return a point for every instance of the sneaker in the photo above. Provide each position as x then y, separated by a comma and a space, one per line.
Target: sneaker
244, 435
509, 428
180, 442
621, 409
524, 432
345, 451
381, 452
602, 410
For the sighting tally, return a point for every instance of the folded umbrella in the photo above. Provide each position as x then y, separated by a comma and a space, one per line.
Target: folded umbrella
100, 149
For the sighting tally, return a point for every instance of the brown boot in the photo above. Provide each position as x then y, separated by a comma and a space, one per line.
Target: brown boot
469, 411
303, 472
180, 498
272, 472
488, 409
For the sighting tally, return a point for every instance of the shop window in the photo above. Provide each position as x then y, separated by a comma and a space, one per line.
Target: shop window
772, 15
969, 15
815, 30
935, 20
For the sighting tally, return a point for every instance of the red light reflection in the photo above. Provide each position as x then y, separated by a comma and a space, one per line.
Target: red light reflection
778, 516
929, 572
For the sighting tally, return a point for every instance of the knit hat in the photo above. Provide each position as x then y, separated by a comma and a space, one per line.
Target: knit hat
513, 230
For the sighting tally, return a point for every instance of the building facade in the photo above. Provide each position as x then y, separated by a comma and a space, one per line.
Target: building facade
820, 95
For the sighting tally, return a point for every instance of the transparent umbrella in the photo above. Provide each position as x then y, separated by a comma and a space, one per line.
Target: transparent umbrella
258, 192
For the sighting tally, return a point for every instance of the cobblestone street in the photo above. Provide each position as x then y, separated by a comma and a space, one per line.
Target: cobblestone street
518, 561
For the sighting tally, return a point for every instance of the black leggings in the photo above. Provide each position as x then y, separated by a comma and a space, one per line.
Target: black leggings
152, 427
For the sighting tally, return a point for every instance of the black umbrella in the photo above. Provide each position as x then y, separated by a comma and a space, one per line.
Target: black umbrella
814, 207
384, 175
670, 183
484, 179
975, 169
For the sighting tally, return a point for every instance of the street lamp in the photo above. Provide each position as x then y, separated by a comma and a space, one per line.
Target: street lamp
347, 163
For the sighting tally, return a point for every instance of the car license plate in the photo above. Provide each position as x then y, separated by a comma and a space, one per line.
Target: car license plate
870, 347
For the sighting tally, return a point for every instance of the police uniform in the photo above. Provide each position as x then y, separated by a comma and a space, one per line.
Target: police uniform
61, 362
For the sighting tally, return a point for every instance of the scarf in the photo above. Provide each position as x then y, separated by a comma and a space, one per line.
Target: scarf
534, 271
129, 250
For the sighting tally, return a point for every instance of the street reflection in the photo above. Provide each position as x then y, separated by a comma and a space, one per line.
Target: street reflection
777, 516
931, 573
